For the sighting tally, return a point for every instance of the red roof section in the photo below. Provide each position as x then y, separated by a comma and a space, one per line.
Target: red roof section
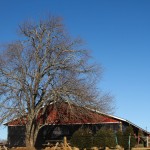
63, 113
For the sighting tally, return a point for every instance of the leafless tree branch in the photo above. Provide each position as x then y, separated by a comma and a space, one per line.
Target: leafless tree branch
46, 66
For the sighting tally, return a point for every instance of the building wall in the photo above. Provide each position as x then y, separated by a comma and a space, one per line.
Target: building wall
57, 132
16, 136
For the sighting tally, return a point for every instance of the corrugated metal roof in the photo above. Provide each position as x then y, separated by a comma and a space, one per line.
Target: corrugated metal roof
77, 118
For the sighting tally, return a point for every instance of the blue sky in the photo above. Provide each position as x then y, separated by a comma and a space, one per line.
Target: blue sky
117, 33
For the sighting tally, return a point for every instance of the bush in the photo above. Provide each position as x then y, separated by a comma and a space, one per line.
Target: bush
99, 138
140, 141
82, 138
104, 138
129, 132
120, 138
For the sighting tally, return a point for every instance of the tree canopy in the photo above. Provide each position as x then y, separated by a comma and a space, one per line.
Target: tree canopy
46, 65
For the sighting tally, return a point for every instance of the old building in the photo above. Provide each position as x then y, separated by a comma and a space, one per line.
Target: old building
64, 120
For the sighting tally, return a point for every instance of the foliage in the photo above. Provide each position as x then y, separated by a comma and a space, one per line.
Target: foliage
82, 138
140, 133
104, 137
120, 138
129, 134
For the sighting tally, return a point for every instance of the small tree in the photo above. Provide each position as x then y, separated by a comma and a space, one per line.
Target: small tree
82, 138
140, 135
110, 138
120, 138
99, 138
129, 137
104, 137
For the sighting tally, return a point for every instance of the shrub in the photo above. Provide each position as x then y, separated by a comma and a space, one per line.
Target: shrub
120, 138
140, 141
104, 138
99, 138
82, 138
110, 138
129, 133
140, 133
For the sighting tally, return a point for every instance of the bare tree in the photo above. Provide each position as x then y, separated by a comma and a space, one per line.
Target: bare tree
46, 65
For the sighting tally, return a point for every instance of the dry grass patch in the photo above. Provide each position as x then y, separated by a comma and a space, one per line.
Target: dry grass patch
21, 148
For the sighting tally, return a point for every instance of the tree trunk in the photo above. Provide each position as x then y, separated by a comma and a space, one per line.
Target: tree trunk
30, 144
31, 135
